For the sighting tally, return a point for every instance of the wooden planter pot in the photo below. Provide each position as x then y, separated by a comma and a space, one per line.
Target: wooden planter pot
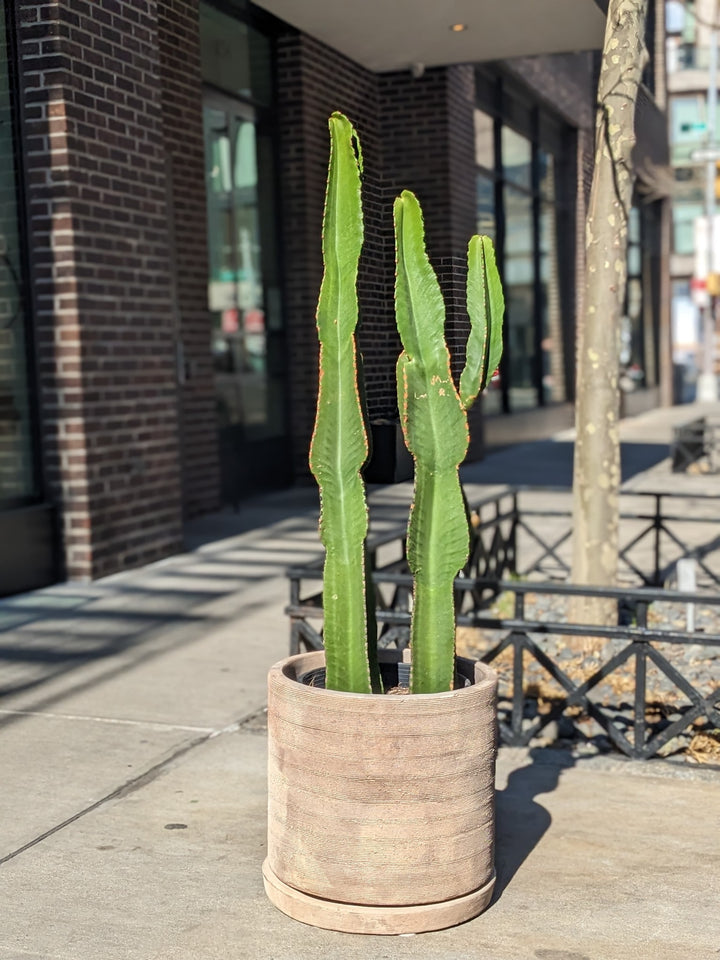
381, 808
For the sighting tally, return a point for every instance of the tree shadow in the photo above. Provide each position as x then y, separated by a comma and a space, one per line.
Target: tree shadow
521, 822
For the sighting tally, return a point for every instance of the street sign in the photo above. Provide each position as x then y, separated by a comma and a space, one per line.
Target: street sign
705, 155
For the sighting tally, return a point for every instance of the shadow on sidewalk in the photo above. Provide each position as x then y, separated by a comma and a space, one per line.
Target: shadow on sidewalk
521, 822
551, 463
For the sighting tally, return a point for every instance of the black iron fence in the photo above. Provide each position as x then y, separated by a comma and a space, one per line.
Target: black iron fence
514, 537
695, 446
610, 687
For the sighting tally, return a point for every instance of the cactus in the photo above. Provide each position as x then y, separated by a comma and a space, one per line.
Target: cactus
434, 420
339, 444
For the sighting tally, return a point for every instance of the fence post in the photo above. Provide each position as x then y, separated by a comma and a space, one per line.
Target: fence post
640, 692
657, 523
518, 641
512, 566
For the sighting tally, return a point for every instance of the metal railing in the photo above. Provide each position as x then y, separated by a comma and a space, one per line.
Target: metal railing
628, 648
656, 530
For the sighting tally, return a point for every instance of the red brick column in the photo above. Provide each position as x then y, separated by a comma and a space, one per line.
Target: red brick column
182, 121
97, 193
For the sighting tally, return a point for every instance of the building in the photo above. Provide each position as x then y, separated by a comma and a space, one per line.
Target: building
161, 241
691, 132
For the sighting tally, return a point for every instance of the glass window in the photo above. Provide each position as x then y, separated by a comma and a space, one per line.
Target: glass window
517, 201
516, 158
519, 298
551, 344
18, 480
674, 16
546, 174
484, 140
632, 350
486, 206
684, 215
235, 57
236, 288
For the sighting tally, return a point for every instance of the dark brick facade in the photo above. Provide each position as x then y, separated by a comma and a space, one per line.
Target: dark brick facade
417, 133
182, 123
96, 172
114, 154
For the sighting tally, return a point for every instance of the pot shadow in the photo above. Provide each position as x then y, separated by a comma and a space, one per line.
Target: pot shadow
521, 822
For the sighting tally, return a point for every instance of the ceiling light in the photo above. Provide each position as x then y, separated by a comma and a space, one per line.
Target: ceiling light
458, 27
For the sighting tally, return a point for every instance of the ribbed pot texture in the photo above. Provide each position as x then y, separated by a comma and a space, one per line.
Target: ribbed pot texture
381, 808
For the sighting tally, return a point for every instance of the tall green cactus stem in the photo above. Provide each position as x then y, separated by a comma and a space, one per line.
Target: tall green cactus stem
339, 445
435, 427
485, 306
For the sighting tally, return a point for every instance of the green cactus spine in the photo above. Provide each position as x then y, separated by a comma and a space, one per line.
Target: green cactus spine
339, 445
434, 421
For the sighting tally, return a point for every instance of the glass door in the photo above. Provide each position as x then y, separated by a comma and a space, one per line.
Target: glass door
29, 549
244, 298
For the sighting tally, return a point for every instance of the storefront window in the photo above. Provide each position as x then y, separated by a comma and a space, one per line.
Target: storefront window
235, 57
247, 343
486, 207
516, 158
632, 346
551, 344
519, 281
517, 205
484, 140
18, 476
244, 307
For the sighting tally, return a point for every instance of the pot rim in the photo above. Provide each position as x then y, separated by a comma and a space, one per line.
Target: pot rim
289, 670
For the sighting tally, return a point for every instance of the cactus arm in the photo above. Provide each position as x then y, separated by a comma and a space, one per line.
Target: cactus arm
485, 305
339, 444
435, 428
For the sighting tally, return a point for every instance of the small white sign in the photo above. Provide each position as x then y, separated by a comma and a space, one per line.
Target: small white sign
703, 265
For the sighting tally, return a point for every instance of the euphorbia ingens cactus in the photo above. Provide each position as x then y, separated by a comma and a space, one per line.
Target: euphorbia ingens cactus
434, 419
339, 445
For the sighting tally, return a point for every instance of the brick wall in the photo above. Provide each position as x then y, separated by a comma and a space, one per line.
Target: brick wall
314, 81
428, 147
98, 231
564, 82
182, 123
416, 134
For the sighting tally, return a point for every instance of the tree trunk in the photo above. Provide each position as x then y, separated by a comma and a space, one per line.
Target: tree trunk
596, 481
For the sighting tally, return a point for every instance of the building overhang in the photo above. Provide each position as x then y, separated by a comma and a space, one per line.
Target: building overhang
402, 34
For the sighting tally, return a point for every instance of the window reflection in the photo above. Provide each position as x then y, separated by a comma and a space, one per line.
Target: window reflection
519, 297
18, 479
526, 224
516, 158
486, 206
484, 140
235, 291
551, 344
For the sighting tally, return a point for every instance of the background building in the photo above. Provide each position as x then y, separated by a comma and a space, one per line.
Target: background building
161, 209
690, 29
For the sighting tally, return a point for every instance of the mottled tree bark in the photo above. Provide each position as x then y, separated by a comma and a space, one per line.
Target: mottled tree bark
596, 481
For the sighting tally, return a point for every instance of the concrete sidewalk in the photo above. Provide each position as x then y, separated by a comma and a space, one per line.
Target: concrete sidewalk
132, 755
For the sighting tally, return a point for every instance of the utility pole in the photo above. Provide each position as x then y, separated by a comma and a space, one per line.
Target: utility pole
707, 388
